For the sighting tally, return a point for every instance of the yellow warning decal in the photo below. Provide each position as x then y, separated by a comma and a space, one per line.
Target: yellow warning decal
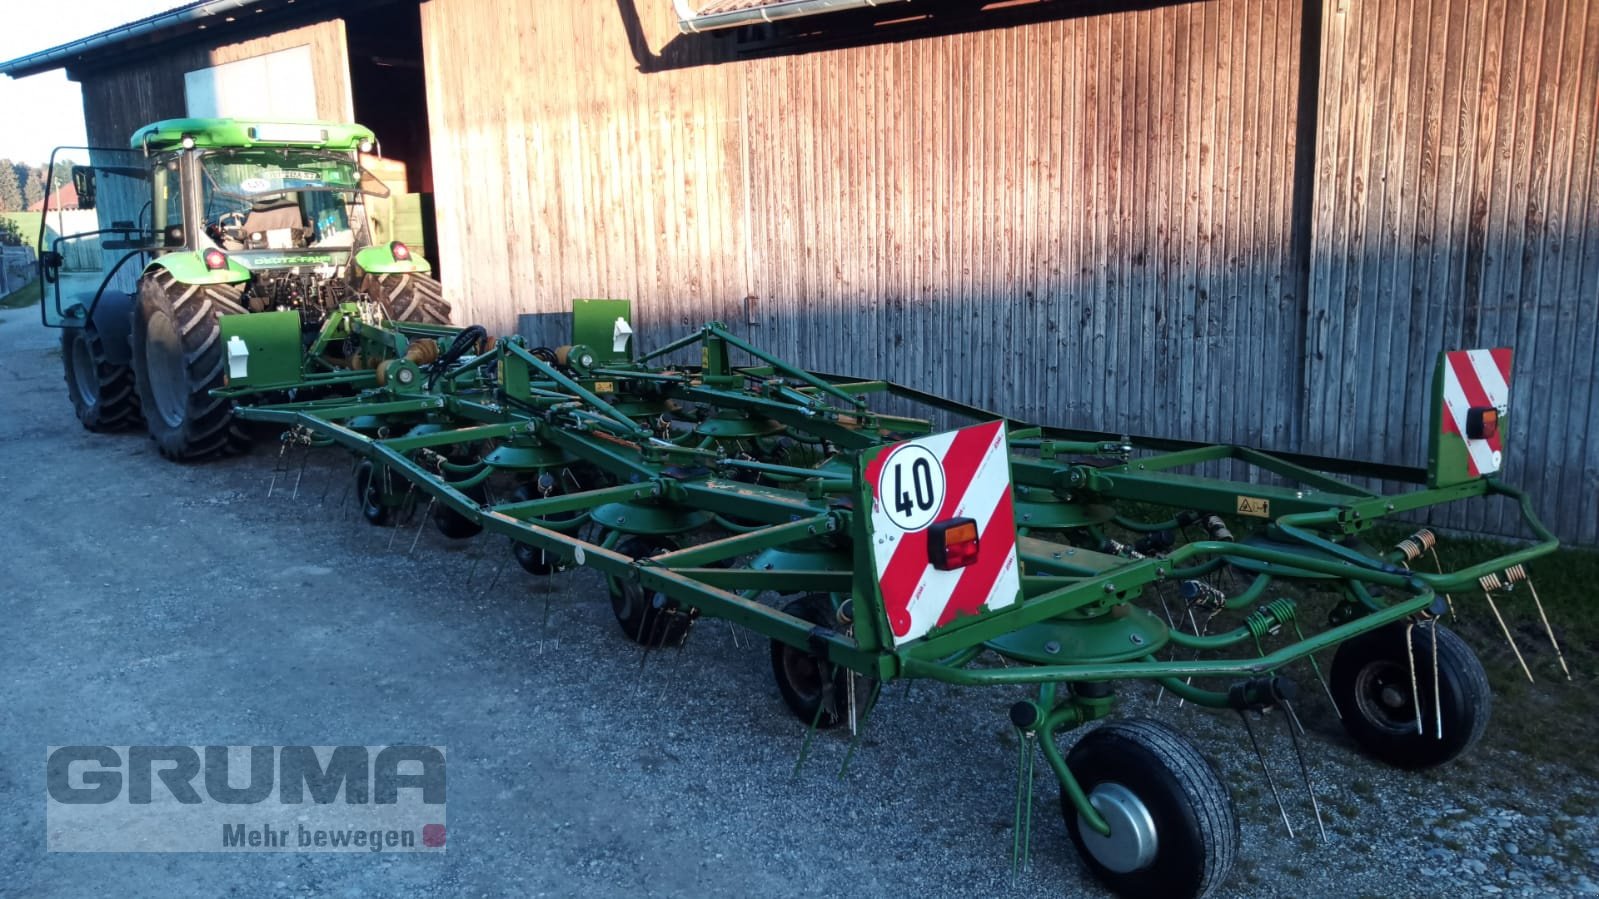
1249, 505
604, 387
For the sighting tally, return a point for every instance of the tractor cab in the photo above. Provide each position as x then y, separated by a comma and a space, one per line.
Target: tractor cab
267, 195
238, 217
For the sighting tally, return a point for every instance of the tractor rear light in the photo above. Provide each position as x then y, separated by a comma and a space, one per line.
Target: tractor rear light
1482, 423
400, 251
216, 260
952, 543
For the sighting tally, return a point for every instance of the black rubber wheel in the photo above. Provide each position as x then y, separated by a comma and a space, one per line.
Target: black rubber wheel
1173, 829
533, 559
104, 396
177, 360
642, 614
408, 297
453, 524
369, 492
810, 684
1371, 683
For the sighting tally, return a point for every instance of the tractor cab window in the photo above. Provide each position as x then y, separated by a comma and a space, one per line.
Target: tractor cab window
167, 207
284, 198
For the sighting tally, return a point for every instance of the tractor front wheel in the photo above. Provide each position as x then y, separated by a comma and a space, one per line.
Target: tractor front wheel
104, 395
178, 359
408, 297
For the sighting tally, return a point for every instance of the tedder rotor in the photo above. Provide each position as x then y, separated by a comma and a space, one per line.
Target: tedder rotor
870, 547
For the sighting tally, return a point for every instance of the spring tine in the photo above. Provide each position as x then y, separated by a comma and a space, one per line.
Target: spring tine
420, 525
1438, 564
1415, 693
1022, 819
732, 629
849, 700
1304, 769
493, 580
1549, 630
805, 745
1437, 696
1271, 781
1171, 623
866, 713
282, 447
1508, 638
305, 456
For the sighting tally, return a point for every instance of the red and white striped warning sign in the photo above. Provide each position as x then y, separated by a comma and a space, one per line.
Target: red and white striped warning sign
1480, 379
958, 474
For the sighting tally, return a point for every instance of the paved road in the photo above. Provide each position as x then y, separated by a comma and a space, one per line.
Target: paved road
146, 602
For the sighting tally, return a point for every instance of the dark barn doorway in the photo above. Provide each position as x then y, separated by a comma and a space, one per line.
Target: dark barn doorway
388, 90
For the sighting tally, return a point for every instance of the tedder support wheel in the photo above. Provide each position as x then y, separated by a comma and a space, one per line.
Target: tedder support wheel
1173, 831
408, 297
534, 560
1371, 682
104, 395
812, 689
636, 609
370, 492
453, 524
178, 359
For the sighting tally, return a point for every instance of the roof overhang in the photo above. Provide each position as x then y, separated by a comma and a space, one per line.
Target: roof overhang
186, 23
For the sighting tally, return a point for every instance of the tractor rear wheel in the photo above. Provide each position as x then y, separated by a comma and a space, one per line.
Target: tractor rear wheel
408, 297
178, 359
104, 395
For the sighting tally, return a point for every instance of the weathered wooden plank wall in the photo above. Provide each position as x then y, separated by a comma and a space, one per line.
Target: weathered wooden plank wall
1082, 221
1457, 204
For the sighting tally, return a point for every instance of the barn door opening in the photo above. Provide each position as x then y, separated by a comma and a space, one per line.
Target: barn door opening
388, 91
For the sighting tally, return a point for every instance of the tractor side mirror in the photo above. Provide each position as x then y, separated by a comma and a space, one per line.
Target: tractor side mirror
50, 266
83, 181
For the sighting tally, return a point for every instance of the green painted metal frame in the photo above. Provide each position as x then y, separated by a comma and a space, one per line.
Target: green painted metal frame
508, 393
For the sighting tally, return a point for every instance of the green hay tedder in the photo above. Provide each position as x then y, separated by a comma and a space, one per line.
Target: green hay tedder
709, 479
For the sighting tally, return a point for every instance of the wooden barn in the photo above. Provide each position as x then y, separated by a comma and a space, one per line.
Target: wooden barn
1249, 221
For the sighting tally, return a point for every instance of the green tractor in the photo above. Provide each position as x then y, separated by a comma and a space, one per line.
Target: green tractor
240, 217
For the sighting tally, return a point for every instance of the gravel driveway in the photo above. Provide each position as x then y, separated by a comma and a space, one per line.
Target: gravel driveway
147, 602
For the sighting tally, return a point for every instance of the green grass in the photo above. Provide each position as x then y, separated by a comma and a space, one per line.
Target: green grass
22, 297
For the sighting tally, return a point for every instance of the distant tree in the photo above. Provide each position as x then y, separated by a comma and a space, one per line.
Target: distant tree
33, 187
10, 188
63, 172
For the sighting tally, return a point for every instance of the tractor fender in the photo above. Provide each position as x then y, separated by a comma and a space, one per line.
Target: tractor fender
113, 319
379, 260
188, 267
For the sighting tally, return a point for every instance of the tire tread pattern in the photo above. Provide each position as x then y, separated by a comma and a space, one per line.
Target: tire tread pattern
208, 427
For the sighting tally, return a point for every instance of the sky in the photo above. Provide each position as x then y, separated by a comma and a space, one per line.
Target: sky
41, 112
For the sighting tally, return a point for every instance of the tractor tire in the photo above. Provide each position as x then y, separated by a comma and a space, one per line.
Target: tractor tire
408, 297
104, 395
178, 360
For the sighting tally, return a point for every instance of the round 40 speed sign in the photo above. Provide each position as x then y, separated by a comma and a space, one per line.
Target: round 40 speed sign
911, 484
